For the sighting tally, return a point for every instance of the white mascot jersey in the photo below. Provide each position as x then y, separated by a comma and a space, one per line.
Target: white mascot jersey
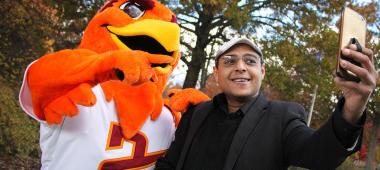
93, 140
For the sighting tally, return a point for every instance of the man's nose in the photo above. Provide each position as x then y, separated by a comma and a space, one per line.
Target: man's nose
240, 65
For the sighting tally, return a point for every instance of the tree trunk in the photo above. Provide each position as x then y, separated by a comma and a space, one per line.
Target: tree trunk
193, 71
372, 144
196, 64
204, 75
198, 59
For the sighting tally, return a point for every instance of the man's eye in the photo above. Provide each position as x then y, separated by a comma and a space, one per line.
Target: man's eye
134, 10
229, 61
250, 61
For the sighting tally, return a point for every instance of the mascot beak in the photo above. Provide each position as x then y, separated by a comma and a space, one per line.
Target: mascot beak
152, 36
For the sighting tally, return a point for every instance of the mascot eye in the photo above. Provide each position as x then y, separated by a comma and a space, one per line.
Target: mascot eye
134, 10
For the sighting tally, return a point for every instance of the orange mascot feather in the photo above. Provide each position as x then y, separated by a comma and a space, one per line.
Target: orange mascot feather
128, 51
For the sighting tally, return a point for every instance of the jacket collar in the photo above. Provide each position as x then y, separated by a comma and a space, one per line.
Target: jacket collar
220, 101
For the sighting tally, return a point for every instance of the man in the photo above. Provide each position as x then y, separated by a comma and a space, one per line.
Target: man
240, 129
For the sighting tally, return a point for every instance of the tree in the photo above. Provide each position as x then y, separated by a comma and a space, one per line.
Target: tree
73, 18
25, 30
32, 28
18, 133
210, 21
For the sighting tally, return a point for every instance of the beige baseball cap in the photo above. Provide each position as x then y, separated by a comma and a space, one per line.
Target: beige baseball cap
226, 46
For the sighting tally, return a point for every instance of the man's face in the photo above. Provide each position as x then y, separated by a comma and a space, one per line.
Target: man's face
239, 72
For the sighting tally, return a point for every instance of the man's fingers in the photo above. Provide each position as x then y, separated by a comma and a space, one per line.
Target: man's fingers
359, 87
361, 58
344, 83
366, 77
367, 73
358, 71
366, 51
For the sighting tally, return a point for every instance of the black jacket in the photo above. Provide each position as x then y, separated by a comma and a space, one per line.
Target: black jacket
273, 135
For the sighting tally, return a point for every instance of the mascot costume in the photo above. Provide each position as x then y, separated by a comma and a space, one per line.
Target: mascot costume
100, 106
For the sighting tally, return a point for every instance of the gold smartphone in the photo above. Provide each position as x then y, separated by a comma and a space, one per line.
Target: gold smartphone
353, 30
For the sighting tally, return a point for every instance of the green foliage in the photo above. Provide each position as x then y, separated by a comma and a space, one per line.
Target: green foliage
23, 31
18, 133
73, 18
30, 29
301, 25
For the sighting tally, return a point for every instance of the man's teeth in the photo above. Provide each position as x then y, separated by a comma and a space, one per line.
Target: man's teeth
240, 80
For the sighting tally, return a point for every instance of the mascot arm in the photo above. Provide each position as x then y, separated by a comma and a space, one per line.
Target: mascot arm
59, 81
180, 100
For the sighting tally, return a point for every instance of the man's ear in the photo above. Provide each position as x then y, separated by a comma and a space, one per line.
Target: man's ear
215, 73
262, 71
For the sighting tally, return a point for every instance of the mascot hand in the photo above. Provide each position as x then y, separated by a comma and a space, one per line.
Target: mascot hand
134, 103
59, 81
131, 67
65, 105
180, 99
